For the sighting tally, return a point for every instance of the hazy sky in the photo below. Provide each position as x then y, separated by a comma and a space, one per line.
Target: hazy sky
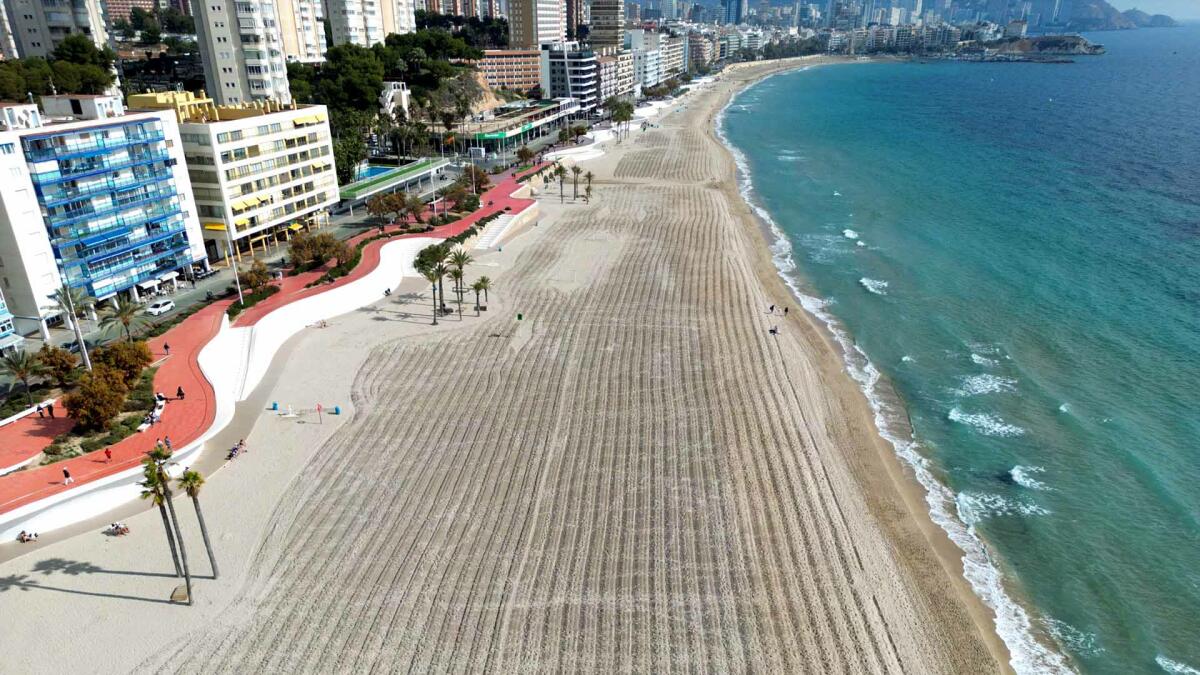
1180, 9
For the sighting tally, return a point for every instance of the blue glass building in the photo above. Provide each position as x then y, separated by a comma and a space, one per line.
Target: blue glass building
110, 203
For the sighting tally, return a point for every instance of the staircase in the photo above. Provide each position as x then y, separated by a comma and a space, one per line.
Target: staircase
493, 232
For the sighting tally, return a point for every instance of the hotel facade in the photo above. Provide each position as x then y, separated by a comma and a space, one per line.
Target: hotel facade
92, 197
259, 172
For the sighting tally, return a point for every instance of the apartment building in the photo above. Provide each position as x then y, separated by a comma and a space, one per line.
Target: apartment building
608, 23
615, 69
241, 47
10, 339
259, 171
569, 70
516, 69
369, 22
302, 30
92, 196
533, 23
702, 50
672, 51
121, 9
39, 25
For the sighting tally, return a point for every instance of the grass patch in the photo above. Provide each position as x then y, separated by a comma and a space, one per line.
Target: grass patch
138, 404
251, 299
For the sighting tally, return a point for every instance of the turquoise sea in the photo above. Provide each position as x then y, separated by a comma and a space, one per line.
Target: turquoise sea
1010, 254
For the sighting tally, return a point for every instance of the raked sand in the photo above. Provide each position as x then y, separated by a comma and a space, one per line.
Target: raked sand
636, 477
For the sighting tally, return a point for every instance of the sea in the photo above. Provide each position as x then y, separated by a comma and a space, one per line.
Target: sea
1009, 255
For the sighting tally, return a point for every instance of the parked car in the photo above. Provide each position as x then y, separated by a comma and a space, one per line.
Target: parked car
73, 346
160, 307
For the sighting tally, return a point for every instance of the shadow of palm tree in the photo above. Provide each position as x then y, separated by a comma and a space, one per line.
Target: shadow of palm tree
51, 566
23, 582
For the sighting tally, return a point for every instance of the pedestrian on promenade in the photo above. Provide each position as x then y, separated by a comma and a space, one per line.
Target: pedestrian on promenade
40, 413
50, 409
166, 349
158, 444
167, 442
785, 311
107, 455
67, 480
179, 393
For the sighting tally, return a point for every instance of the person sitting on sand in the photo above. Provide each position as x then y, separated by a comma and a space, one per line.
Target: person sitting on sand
27, 537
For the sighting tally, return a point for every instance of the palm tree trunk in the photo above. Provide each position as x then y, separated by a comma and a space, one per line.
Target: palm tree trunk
187, 573
212, 560
162, 510
28, 393
476, 303
435, 309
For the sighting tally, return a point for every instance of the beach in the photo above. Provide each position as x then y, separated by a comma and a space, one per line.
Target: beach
636, 475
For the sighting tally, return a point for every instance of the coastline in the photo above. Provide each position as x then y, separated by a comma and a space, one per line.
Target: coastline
774, 266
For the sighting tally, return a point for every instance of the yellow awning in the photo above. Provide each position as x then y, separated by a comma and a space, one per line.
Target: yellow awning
301, 121
215, 226
295, 226
318, 117
242, 221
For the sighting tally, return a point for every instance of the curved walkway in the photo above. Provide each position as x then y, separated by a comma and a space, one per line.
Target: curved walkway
185, 421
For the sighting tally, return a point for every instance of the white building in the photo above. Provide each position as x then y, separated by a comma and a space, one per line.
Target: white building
647, 67
241, 47
94, 197
570, 70
259, 171
302, 29
368, 22
616, 74
533, 23
39, 25
394, 99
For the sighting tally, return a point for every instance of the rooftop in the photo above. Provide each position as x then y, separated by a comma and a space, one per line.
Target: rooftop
198, 108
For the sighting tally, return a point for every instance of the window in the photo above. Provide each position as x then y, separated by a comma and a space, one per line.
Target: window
7, 148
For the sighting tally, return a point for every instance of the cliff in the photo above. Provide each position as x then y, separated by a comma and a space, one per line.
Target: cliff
1097, 15
1048, 45
1144, 20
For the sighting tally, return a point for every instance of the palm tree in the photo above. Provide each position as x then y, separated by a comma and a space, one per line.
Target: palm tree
158, 460
484, 285
457, 275
432, 277
125, 313
575, 171
440, 270
191, 482
459, 258
477, 287
21, 366
152, 491
561, 174
588, 177
74, 302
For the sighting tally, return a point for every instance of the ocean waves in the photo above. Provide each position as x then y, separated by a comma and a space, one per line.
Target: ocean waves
874, 286
985, 423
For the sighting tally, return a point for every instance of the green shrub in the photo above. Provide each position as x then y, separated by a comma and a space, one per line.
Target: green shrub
251, 299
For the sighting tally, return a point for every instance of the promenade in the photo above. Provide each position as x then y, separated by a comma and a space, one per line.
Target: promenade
184, 421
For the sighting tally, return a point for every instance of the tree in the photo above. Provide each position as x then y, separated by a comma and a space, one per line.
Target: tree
191, 482
314, 250
152, 490
98, 398
58, 362
587, 194
477, 287
151, 36
475, 177
588, 177
432, 277
524, 155
21, 366
441, 271
459, 258
415, 206
257, 276
485, 284
80, 50
158, 460
561, 174
575, 171
66, 298
349, 151
577, 131
564, 135
124, 313
127, 358
457, 275
377, 207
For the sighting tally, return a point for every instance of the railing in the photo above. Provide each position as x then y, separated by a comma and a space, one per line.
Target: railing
55, 221
103, 187
50, 177
61, 152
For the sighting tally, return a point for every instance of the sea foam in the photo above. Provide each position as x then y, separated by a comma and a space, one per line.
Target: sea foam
874, 285
976, 385
974, 507
849, 234
1024, 476
989, 425
1175, 666
1013, 624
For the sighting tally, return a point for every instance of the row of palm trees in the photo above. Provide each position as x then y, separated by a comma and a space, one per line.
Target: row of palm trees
454, 265
560, 172
156, 488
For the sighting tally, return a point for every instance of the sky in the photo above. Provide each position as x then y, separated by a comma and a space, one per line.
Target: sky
1179, 9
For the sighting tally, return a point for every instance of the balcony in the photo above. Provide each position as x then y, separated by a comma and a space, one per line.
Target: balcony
76, 150
67, 195
57, 221
58, 176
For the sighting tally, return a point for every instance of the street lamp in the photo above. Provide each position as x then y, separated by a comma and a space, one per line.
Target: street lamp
237, 281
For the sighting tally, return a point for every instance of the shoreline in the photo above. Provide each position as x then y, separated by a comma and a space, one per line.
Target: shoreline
821, 328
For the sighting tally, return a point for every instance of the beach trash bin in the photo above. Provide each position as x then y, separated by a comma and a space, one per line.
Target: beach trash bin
520, 316
274, 405
337, 410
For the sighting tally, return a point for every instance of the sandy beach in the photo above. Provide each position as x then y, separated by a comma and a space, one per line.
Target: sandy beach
635, 477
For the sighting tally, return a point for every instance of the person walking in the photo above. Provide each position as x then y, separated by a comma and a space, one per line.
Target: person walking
67, 480
108, 455
785, 311
158, 444
167, 442
166, 349
41, 410
50, 409
771, 309
179, 393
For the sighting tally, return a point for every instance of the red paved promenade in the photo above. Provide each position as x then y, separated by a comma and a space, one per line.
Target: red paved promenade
184, 421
